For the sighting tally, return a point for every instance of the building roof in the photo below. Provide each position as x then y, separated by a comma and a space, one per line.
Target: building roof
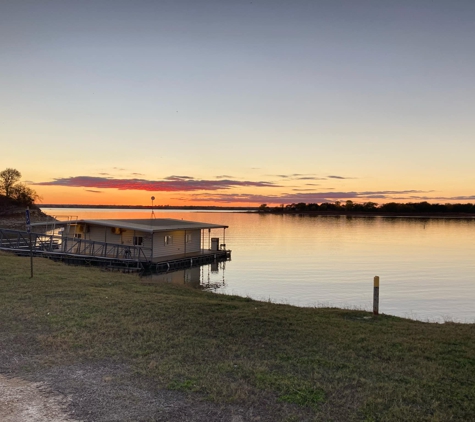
149, 225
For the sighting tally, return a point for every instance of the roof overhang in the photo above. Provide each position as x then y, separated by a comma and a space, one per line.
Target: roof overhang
153, 225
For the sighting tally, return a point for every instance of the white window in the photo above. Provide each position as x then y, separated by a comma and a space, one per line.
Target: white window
138, 240
168, 240
78, 235
188, 238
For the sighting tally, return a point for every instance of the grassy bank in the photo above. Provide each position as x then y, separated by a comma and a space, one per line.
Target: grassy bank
310, 364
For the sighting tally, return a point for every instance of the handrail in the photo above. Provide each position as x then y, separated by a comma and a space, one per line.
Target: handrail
16, 239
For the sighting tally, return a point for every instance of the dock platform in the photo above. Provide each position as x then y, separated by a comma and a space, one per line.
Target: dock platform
110, 256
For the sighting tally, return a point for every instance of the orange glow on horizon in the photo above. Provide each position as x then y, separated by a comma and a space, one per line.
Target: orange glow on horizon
56, 195
78, 196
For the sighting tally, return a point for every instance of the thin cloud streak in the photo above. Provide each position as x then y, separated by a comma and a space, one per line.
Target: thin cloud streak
175, 178
445, 198
309, 178
169, 184
297, 176
315, 197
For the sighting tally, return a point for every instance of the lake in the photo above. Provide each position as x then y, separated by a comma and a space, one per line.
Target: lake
426, 266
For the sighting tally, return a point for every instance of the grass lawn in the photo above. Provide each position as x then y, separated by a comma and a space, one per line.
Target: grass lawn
318, 364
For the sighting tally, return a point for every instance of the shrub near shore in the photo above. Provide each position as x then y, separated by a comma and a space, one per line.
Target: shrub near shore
298, 363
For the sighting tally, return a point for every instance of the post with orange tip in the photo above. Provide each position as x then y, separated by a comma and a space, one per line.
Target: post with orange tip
376, 296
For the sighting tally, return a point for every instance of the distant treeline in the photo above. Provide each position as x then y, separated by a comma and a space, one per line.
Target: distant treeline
147, 207
350, 207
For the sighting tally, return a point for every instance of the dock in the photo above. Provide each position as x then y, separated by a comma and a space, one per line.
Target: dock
111, 256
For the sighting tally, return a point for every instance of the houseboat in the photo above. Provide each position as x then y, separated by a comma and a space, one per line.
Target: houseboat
161, 243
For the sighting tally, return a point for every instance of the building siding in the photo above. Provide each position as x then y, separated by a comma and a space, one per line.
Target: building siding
195, 244
177, 246
126, 237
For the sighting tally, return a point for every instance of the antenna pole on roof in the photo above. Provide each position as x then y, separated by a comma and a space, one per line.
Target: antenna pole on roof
153, 214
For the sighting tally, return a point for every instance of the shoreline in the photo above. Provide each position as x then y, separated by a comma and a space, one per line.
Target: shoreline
373, 214
256, 211
17, 221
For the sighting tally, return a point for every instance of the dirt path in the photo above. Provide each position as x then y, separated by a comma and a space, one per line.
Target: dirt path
23, 401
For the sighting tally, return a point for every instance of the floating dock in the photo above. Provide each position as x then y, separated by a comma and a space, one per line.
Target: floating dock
108, 255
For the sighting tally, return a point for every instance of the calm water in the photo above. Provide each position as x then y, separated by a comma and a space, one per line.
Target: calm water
426, 266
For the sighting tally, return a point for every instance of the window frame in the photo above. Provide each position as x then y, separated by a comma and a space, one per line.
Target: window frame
137, 240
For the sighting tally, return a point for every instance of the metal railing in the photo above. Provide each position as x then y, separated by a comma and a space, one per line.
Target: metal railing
20, 240
15, 239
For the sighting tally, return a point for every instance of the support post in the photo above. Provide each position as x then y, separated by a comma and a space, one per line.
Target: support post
31, 257
28, 229
376, 296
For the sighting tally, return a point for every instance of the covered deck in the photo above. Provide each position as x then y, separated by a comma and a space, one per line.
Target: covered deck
78, 249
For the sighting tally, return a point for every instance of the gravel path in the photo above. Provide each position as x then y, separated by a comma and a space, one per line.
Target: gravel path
107, 392
88, 393
22, 401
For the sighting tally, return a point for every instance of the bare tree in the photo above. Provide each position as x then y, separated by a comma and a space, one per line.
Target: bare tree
8, 178
12, 188
23, 194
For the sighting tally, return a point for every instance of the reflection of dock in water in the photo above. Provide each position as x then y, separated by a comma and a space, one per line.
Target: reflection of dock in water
181, 261
207, 276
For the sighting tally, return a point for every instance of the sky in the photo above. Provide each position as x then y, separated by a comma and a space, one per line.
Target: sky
239, 103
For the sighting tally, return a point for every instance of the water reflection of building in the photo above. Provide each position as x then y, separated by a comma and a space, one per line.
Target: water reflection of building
207, 277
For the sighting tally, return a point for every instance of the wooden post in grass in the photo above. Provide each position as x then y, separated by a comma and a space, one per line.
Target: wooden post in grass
376, 296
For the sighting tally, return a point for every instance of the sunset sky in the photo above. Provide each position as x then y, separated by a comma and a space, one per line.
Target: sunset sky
239, 102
